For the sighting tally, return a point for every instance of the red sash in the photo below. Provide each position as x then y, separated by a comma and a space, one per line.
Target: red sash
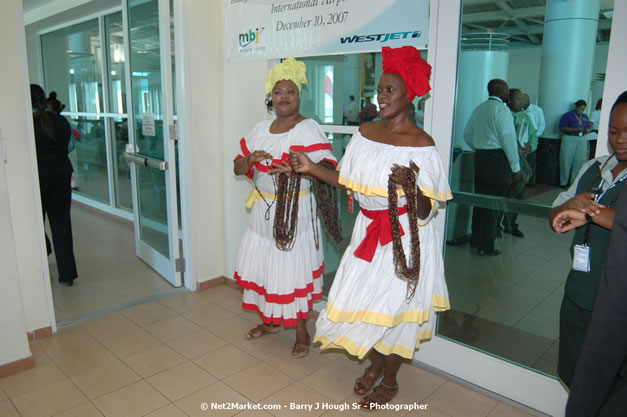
378, 231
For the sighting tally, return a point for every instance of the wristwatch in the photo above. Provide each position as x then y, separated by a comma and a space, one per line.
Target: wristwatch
588, 218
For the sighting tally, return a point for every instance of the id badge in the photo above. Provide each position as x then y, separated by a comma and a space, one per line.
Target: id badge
581, 258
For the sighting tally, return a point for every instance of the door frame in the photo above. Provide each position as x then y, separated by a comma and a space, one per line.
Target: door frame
165, 266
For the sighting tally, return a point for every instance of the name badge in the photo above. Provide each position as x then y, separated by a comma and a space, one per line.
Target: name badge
581, 258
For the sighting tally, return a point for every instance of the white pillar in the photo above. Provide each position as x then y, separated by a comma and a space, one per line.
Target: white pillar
476, 69
570, 30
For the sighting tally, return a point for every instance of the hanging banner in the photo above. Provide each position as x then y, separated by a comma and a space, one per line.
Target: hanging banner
270, 29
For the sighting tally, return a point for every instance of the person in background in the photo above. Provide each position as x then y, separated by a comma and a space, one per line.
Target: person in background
595, 119
599, 388
52, 136
56, 107
527, 143
368, 113
378, 306
351, 115
280, 265
589, 207
490, 131
536, 114
574, 147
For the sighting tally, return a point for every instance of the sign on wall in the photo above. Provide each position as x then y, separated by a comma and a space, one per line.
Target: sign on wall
269, 29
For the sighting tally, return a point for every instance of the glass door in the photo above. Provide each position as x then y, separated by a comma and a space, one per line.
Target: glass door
506, 276
151, 151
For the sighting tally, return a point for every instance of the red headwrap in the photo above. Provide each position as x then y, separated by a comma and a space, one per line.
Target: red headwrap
406, 62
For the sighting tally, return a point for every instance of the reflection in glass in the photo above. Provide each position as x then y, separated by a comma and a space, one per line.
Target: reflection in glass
89, 159
115, 57
506, 305
72, 66
146, 77
122, 171
152, 208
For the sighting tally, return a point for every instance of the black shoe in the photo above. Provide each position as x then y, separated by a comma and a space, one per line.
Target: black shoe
515, 232
489, 252
66, 283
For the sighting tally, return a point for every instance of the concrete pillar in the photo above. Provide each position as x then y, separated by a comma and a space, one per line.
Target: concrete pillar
570, 30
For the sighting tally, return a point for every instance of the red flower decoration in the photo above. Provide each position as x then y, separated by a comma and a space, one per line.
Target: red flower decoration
406, 62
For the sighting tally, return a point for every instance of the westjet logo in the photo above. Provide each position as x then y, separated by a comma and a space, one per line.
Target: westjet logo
381, 37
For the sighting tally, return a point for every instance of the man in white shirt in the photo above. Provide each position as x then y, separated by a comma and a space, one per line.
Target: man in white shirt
351, 116
536, 114
490, 132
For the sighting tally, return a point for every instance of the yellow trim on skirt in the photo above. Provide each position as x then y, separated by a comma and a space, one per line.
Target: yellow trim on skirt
439, 303
351, 347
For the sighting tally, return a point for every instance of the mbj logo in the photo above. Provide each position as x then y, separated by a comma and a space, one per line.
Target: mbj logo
249, 37
382, 37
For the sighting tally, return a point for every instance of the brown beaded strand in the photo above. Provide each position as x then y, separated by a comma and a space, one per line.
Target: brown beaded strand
286, 213
402, 270
326, 198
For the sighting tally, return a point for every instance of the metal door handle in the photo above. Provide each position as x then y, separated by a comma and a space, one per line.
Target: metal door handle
146, 161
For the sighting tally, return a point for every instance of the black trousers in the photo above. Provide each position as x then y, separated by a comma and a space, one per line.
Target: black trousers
493, 176
56, 201
548, 161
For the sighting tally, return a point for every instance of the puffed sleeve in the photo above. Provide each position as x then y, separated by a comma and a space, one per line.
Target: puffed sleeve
310, 138
432, 181
246, 144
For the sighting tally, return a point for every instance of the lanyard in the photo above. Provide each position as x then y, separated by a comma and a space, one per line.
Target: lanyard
598, 196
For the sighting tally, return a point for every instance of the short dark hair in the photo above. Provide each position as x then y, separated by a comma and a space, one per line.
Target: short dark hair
580, 103
599, 104
496, 87
622, 99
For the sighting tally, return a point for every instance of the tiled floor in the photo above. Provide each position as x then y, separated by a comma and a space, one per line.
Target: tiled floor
109, 272
169, 357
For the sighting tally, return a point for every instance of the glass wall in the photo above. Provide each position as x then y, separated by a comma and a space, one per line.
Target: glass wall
506, 297
85, 66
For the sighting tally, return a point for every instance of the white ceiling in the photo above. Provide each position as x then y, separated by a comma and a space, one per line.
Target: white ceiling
522, 20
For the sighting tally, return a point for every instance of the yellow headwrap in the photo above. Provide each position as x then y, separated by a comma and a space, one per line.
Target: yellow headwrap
290, 69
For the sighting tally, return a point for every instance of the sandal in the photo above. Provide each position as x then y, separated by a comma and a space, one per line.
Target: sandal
364, 383
382, 394
261, 330
301, 348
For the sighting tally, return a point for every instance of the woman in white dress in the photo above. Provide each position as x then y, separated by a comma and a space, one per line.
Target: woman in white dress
370, 310
280, 284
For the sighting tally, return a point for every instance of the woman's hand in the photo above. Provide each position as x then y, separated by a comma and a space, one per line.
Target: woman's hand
281, 168
242, 166
399, 173
257, 156
567, 220
584, 202
301, 162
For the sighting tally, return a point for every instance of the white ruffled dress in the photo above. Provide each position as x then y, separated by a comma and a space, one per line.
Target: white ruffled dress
281, 286
367, 306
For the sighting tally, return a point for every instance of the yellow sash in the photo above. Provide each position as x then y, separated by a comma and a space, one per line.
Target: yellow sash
255, 195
